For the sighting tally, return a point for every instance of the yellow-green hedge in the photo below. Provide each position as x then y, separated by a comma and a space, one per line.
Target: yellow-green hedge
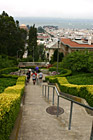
83, 91
9, 107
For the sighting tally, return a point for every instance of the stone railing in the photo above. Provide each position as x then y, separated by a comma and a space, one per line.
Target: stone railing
39, 64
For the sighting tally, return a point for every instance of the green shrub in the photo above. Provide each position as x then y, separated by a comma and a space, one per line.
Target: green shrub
9, 76
8, 70
5, 82
6, 61
9, 108
10, 101
83, 91
65, 72
80, 61
81, 79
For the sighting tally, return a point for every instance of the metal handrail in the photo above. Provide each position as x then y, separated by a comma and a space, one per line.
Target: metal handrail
69, 99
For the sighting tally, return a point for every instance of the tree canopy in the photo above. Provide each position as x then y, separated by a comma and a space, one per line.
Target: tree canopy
79, 61
11, 36
54, 56
32, 40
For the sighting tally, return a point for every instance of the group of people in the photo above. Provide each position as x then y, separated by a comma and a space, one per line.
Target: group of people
34, 76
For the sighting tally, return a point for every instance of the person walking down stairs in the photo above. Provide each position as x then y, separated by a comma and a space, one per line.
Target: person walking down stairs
34, 77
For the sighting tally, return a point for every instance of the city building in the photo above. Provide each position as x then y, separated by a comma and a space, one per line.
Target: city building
23, 26
68, 45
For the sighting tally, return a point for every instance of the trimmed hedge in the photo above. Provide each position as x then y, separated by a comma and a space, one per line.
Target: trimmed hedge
6, 82
10, 101
83, 91
9, 76
8, 70
65, 73
81, 79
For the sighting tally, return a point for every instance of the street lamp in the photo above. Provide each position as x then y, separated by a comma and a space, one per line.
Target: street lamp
58, 54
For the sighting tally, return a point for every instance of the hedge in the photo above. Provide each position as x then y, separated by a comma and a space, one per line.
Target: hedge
83, 91
10, 101
9, 76
8, 70
67, 73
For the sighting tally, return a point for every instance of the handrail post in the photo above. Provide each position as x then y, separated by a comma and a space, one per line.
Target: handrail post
48, 93
70, 116
45, 90
91, 137
57, 105
53, 95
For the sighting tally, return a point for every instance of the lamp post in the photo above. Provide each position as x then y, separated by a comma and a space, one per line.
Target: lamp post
58, 55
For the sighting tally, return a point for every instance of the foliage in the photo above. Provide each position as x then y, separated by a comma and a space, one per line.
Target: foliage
64, 72
10, 101
40, 54
6, 61
81, 79
5, 82
54, 69
11, 37
80, 61
90, 62
54, 57
9, 108
8, 70
32, 40
83, 91
40, 30
35, 52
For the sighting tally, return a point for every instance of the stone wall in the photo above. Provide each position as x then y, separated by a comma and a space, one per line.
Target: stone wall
39, 64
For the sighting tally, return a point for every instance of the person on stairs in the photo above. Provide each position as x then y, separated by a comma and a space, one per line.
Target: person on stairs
34, 77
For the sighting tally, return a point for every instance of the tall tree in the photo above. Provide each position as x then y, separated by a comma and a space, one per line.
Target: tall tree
54, 57
11, 40
32, 40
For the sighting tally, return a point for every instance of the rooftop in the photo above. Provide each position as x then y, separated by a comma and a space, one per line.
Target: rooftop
73, 44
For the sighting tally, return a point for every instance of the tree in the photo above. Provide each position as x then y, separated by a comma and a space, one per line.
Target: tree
10, 36
79, 61
40, 53
54, 57
32, 40
40, 30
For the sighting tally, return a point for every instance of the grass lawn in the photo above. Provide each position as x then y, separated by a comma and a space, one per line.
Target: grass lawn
81, 79
5, 82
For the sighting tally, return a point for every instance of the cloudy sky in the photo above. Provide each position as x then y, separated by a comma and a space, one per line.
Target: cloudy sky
48, 8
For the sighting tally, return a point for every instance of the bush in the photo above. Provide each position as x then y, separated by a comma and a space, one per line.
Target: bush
64, 72
6, 61
9, 76
54, 69
9, 107
81, 79
80, 61
83, 91
5, 82
8, 70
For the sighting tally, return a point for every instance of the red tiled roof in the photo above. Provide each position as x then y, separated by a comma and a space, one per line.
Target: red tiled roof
71, 43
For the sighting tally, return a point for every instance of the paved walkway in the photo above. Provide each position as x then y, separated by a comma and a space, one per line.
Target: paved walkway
37, 124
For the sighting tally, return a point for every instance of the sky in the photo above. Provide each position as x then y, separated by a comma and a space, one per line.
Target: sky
76, 9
